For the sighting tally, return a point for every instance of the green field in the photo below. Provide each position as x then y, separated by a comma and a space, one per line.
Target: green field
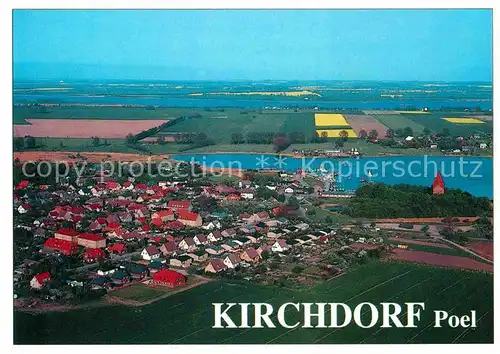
397, 121
20, 113
187, 317
435, 123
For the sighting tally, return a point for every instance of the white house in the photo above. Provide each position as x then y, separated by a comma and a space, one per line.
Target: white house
288, 190
150, 253
247, 193
187, 244
279, 246
483, 146
232, 260
212, 225
214, 236
200, 239
23, 208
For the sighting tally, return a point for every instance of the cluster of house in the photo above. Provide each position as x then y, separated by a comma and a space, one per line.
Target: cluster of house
109, 220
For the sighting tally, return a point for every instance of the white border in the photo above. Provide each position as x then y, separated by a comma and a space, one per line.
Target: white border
6, 156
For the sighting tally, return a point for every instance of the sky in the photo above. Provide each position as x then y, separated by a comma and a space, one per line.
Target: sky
408, 45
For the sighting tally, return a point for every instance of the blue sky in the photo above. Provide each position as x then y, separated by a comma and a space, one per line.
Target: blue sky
426, 45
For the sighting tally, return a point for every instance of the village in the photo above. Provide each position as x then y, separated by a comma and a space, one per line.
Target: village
74, 241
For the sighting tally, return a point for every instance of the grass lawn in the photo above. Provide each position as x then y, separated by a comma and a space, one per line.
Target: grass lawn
138, 292
321, 215
187, 317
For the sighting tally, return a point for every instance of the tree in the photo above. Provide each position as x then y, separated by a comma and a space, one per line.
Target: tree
408, 131
399, 132
96, 140
362, 134
445, 132
280, 143
390, 133
237, 138
130, 138
425, 228
161, 140
344, 135
30, 142
293, 203
324, 135
426, 131
18, 143
373, 134
297, 269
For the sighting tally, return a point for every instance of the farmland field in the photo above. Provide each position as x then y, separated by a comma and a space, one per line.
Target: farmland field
435, 123
464, 120
187, 317
329, 120
84, 128
367, 123
396, 121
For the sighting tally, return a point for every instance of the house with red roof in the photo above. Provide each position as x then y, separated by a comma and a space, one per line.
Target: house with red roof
187, 244
117, 248
168, 248
168, 277
23, 208
280, 245
250, 255
164, 215
141, 186
156, 222
438, 184
150, 253
128, 185
214, 236
66, 248
189, 219
233, 197
173, 225
67, 235
232, 260
215, 266
92, 255
200, 239
39, 280
113, 186
91, 240
179, 205
22, 185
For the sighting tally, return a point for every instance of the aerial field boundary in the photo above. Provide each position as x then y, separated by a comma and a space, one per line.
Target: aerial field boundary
353, 297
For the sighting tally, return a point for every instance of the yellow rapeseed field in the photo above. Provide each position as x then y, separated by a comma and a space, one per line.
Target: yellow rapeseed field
330, 120
464, 120
335, 133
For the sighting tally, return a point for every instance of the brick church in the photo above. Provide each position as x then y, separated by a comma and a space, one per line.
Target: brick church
438, 184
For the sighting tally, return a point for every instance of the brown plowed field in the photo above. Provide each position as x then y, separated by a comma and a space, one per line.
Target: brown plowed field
440, 260
484, 249
96, 157
415, 242
367, 123
84, 128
